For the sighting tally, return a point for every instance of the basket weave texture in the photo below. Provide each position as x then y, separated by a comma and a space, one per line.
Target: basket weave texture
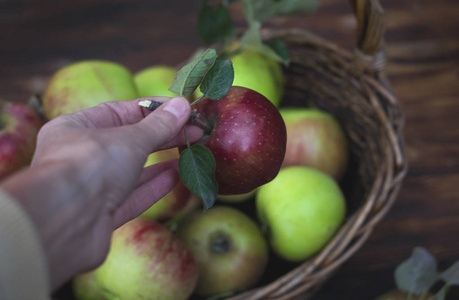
352, 86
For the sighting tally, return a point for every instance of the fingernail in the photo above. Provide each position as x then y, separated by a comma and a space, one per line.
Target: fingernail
176, 106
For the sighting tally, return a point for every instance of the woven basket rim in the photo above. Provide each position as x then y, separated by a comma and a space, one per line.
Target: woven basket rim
367, 71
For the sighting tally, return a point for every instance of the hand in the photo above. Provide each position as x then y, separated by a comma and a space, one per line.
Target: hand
87, 177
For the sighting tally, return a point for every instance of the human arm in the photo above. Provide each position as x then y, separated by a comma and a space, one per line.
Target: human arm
87, 178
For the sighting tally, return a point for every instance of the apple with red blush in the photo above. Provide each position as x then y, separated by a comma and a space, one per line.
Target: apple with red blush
315, 139
148, 261
19, 126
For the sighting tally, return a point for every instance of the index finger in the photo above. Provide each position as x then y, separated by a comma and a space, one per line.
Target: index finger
115, 113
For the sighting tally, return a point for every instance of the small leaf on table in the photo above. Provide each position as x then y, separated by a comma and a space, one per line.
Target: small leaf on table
197, 171
218, 80
451, 275
418, 273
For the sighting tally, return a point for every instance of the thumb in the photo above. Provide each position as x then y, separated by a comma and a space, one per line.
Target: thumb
163, 124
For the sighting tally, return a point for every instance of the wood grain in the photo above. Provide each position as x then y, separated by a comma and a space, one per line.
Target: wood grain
38, 37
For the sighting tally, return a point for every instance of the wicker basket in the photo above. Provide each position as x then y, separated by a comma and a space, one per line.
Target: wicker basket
351, 85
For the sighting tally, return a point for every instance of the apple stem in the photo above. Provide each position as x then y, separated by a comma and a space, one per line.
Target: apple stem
196, 121
186, 138
197, 100
221, 245
152, 105
265, 229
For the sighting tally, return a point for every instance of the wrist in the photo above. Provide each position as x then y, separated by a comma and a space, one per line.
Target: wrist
60, 219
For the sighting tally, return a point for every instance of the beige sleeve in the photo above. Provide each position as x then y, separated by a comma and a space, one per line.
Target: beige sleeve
23, 269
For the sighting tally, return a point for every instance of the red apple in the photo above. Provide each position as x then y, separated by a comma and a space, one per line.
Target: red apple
146, 261
229, 247
19, 125
246, 134
315, 139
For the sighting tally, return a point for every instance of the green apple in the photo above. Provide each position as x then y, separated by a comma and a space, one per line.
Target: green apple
229, 247
146, 261
155, 81
85, 84
258, 72
302, 209
315, 139
177, 201
85, 287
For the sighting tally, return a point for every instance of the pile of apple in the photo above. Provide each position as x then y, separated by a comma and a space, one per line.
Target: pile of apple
175, 250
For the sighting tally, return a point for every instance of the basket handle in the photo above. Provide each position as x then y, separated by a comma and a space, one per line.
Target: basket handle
370, 33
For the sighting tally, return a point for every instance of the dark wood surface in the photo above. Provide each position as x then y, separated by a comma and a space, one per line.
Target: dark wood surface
38, 37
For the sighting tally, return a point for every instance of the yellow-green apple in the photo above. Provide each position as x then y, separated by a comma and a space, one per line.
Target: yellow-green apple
315, 139
229, 247
302, 209
155, 81
246, 134
85, 287
85, 84
19, 126
237, 198
177, 201
255, 71
146, 261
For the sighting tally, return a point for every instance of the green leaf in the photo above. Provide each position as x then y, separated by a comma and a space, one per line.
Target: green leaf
215, 23
252, 39
441, 294
197, 171
218, 80
278, 46
451, 275
294, 7
263, 10
190, 76
418, 273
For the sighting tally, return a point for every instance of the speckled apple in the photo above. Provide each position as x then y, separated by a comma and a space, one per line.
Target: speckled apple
247, 136
229, 247
315, 139
302, 208
148, 261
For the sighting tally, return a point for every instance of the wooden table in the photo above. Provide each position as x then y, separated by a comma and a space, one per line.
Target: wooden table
38, 37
